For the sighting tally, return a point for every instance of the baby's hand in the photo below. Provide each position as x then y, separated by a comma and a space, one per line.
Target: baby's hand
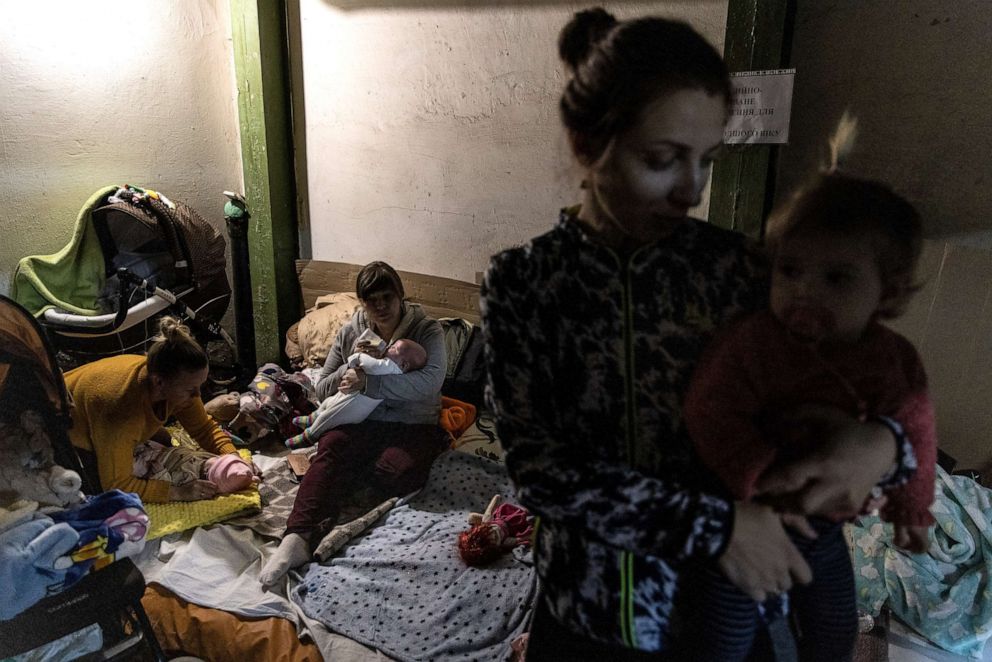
353, 381
915, 539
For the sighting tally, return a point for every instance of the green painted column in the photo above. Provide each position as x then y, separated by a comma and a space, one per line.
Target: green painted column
264, 113
758, 37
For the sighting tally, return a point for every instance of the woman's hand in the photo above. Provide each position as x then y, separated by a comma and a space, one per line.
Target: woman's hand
837, 477
760, 559
353, 381
193, 491
366, 347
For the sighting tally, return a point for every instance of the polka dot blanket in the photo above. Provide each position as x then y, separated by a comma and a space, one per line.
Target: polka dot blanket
403, 589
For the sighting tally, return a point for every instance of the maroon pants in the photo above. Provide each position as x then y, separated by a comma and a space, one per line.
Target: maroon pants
396, 457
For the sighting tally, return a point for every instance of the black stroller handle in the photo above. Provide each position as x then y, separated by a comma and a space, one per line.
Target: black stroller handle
86, 325
177, 304
76, 324
122, 277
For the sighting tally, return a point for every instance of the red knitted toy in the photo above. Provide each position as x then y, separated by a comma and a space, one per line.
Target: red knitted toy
501, 528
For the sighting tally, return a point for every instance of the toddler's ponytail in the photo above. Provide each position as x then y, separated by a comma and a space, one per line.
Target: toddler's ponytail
842, 142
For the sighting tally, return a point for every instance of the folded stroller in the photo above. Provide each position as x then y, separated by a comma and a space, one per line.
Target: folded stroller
134, 256
36, 462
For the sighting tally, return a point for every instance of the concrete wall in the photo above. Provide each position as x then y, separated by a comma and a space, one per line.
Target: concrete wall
111, 91
433, 138
950, 322
916, 73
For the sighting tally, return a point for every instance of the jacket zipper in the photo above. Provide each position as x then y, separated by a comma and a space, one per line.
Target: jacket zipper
627, 558
628, 349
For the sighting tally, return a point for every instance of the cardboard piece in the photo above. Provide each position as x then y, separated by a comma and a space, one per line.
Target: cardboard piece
298, 463
440, 297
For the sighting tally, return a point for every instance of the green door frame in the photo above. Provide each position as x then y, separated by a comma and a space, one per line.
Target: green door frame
265, 118
759, 35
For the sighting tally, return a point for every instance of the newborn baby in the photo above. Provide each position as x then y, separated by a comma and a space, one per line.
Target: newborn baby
347, 408
155, 461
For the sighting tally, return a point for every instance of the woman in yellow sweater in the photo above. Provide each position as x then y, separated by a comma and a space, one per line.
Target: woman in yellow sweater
122, 401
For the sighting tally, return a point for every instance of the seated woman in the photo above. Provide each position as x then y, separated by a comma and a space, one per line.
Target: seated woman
123, 401
400, 438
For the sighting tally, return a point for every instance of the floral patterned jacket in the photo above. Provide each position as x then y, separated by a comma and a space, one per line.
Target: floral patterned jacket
589, 358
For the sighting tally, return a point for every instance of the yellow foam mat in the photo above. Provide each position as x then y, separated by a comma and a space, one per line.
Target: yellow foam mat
177, 516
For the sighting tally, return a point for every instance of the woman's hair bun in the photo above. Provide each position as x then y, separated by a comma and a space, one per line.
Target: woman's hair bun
171, 330
175, 350
582, 33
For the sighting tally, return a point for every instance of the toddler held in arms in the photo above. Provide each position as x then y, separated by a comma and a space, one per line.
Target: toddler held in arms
844, 252
340, 409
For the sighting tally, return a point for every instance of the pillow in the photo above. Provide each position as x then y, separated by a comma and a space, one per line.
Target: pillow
292, 348
319, 327
480, 439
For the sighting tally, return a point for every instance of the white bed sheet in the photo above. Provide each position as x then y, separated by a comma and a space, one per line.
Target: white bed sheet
218, 567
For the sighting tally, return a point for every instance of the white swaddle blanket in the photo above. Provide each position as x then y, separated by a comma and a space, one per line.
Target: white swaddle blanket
348, 408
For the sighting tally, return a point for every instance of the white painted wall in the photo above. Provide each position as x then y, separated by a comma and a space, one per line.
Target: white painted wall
916, 73
111, 91
433, 138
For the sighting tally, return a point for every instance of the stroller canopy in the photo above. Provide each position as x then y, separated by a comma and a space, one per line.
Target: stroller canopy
124, 227
22, 345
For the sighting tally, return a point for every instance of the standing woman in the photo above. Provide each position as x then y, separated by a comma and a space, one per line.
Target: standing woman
122, 401
593, 330
397, 442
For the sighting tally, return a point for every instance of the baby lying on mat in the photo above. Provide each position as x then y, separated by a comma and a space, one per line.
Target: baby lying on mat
347, 408
155, 461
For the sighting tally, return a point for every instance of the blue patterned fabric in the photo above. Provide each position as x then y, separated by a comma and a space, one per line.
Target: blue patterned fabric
403, 588
945, 595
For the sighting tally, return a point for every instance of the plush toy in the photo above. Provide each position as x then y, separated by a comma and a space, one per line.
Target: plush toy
499, 529
28, 473
273, 398
224, 407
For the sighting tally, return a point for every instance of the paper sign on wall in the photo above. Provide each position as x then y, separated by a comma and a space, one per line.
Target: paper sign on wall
762, 106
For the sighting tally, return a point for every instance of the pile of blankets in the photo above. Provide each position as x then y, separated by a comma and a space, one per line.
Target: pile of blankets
47, 553
945, 594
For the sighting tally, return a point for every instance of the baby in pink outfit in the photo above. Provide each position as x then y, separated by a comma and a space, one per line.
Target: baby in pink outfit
229, 473
155, 461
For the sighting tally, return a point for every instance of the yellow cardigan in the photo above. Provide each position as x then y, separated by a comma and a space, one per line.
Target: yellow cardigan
112, 413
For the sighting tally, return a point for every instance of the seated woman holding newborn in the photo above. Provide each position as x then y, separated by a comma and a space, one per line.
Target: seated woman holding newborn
349, 408
394, 447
